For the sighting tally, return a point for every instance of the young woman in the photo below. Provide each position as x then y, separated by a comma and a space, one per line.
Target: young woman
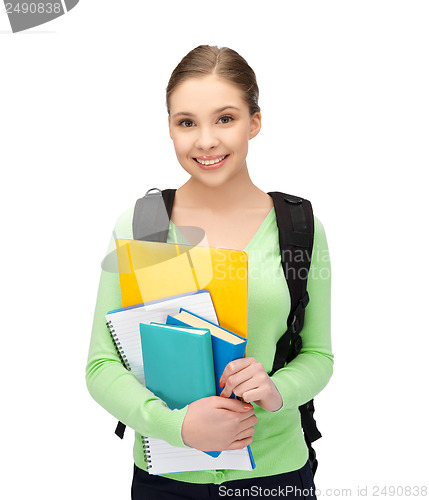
213, 112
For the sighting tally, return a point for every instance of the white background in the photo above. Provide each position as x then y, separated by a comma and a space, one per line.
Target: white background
344, 96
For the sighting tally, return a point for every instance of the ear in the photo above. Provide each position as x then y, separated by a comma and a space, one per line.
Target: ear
169, 126
255, 124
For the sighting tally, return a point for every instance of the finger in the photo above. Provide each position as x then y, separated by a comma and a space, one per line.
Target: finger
240, 444
246, 433
233, 405
247, 386
234, 367
228, 391
247, 423
253, 395
234, 381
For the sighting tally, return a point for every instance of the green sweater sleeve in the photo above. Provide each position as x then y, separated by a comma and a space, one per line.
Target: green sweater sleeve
112, 385
307, 374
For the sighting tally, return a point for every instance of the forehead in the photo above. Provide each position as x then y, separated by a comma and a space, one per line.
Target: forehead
205, 93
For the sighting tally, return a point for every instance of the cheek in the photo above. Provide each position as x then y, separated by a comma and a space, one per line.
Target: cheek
241, 146
240, 139
181, 144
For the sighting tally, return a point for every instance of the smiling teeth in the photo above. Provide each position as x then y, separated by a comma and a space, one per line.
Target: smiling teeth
210, 162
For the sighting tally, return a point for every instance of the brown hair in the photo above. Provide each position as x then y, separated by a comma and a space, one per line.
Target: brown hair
224, 62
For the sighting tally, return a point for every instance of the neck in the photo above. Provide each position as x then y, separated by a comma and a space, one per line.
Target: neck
238, 192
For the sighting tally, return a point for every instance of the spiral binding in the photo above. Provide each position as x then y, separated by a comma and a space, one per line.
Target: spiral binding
118, 346
146, 452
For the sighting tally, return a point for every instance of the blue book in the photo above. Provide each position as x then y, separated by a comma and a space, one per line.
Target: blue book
226, 345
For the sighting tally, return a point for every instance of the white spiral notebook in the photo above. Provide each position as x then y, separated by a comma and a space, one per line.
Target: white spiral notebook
124, 324
163, 458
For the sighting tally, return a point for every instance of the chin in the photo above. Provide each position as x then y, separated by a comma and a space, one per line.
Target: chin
212, 182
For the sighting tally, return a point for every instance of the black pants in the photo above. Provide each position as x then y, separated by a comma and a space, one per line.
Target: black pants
292, 485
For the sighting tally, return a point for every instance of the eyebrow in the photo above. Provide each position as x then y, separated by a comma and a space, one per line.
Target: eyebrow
183, 113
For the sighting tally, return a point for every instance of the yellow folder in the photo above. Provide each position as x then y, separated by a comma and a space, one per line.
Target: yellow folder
150, 271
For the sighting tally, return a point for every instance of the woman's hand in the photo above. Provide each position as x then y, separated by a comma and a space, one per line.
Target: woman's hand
247, 378
218, 424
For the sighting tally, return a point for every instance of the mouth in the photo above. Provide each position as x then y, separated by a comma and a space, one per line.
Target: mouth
211, 162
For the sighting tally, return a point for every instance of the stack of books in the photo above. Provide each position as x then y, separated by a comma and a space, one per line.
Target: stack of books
177, 349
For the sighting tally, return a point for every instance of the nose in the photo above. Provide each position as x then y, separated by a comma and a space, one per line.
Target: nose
206, 139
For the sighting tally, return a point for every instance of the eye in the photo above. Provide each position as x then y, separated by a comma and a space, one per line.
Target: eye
186, 123
225, 119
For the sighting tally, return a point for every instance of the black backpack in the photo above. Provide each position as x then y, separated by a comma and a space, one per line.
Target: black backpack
296, 230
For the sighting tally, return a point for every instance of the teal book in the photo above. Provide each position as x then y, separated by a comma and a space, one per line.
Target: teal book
226, 345
178, 363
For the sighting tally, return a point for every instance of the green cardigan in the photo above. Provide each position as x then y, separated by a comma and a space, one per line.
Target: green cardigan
278, 444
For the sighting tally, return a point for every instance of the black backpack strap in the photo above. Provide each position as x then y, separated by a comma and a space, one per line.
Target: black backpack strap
151, 220
296, 228
168, 196
296, 235
120, 429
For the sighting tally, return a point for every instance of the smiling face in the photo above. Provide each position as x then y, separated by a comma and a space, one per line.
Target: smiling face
210, 125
